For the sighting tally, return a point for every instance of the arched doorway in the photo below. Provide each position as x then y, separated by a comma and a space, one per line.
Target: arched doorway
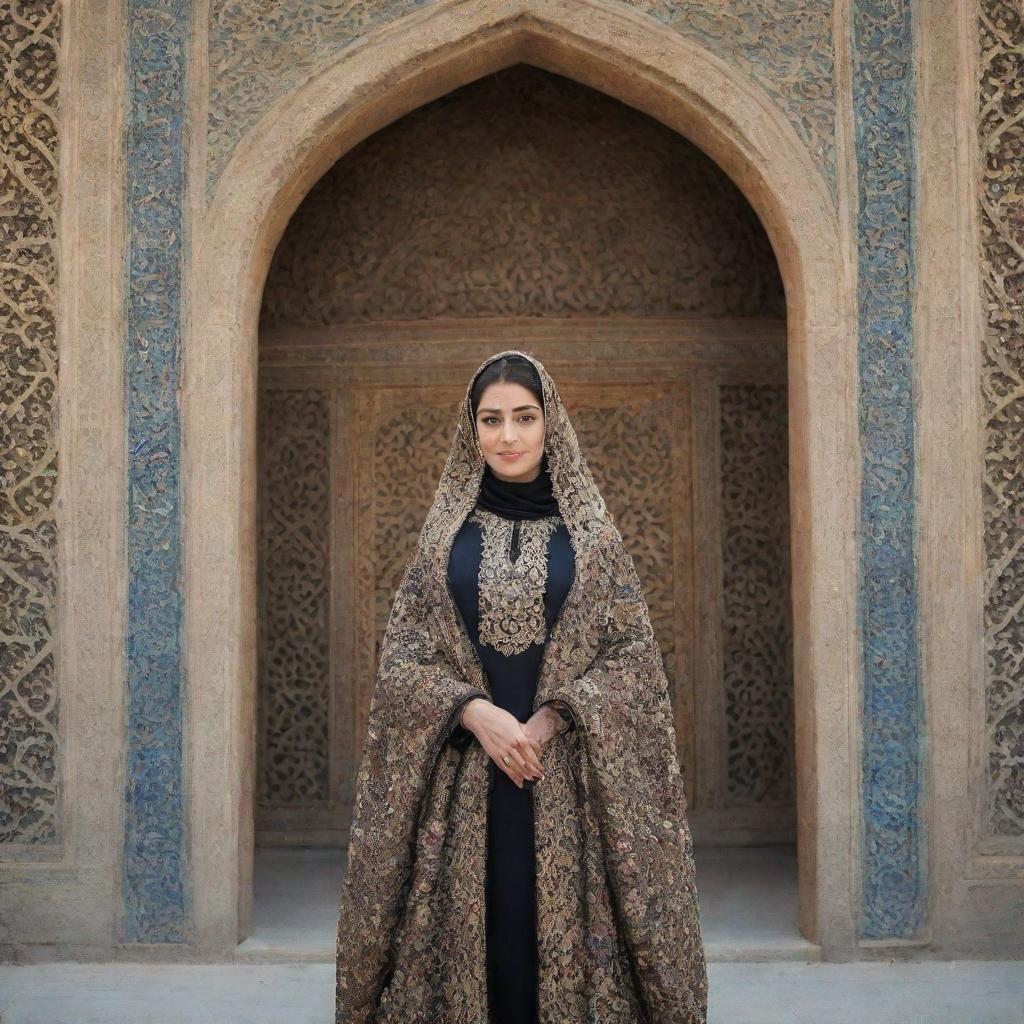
413, 62
526, 209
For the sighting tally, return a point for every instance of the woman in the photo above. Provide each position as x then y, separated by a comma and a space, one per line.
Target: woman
519, 849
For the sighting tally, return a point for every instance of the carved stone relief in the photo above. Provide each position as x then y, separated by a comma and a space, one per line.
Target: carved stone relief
258, 53
784, 45
638, 442
636, 447
30, 794
295, 677
893, 840
404, 437
579, 205
757, 642
1001, 217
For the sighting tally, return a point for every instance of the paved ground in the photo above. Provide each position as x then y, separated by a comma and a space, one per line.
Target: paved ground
748, 905
284, 972
960, 992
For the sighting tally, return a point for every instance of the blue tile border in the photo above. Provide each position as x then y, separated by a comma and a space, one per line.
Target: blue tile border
154, 862
894, 858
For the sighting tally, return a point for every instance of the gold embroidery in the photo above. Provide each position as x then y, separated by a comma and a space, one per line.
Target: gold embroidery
511, 593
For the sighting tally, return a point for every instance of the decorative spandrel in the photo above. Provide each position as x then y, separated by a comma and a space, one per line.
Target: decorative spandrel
255, 58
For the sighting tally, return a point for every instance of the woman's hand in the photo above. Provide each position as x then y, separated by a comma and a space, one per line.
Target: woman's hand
502, 735
544, 724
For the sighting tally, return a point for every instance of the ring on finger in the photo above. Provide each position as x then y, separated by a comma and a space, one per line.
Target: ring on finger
507, 759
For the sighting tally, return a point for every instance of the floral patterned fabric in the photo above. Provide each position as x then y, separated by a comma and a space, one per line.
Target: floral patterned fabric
618, 919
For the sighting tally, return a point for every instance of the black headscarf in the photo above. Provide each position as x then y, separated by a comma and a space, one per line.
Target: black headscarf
530, 499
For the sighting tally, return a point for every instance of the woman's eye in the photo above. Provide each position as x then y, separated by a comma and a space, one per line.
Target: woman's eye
488, 420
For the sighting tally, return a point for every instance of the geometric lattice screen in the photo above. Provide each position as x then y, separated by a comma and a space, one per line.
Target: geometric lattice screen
757, 641
294, 695
369, 456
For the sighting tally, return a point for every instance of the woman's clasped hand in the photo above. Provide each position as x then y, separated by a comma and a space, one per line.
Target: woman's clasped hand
502, 735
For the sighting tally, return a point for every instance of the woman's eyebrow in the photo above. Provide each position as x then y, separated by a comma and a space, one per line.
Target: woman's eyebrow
518, 408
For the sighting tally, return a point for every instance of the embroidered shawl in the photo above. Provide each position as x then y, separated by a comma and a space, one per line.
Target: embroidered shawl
618, 922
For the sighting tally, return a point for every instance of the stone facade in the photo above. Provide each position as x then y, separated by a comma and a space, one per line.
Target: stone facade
144, 212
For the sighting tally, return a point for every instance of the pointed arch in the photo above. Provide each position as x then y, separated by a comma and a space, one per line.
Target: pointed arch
386, 74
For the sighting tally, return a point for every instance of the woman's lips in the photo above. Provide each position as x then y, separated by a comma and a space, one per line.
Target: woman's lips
510, 455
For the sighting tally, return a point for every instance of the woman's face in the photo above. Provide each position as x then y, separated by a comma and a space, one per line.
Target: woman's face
510, 420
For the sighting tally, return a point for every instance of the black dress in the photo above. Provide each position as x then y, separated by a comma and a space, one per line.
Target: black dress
511, 867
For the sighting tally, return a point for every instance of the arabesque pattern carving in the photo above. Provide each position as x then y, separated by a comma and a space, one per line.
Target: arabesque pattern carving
30, 782
893, 850
294, 694
155, 857
786, 46
405, 438
627, 441
259, 54
757, 628
637, 442
1001, 218
580, 206
408, 449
